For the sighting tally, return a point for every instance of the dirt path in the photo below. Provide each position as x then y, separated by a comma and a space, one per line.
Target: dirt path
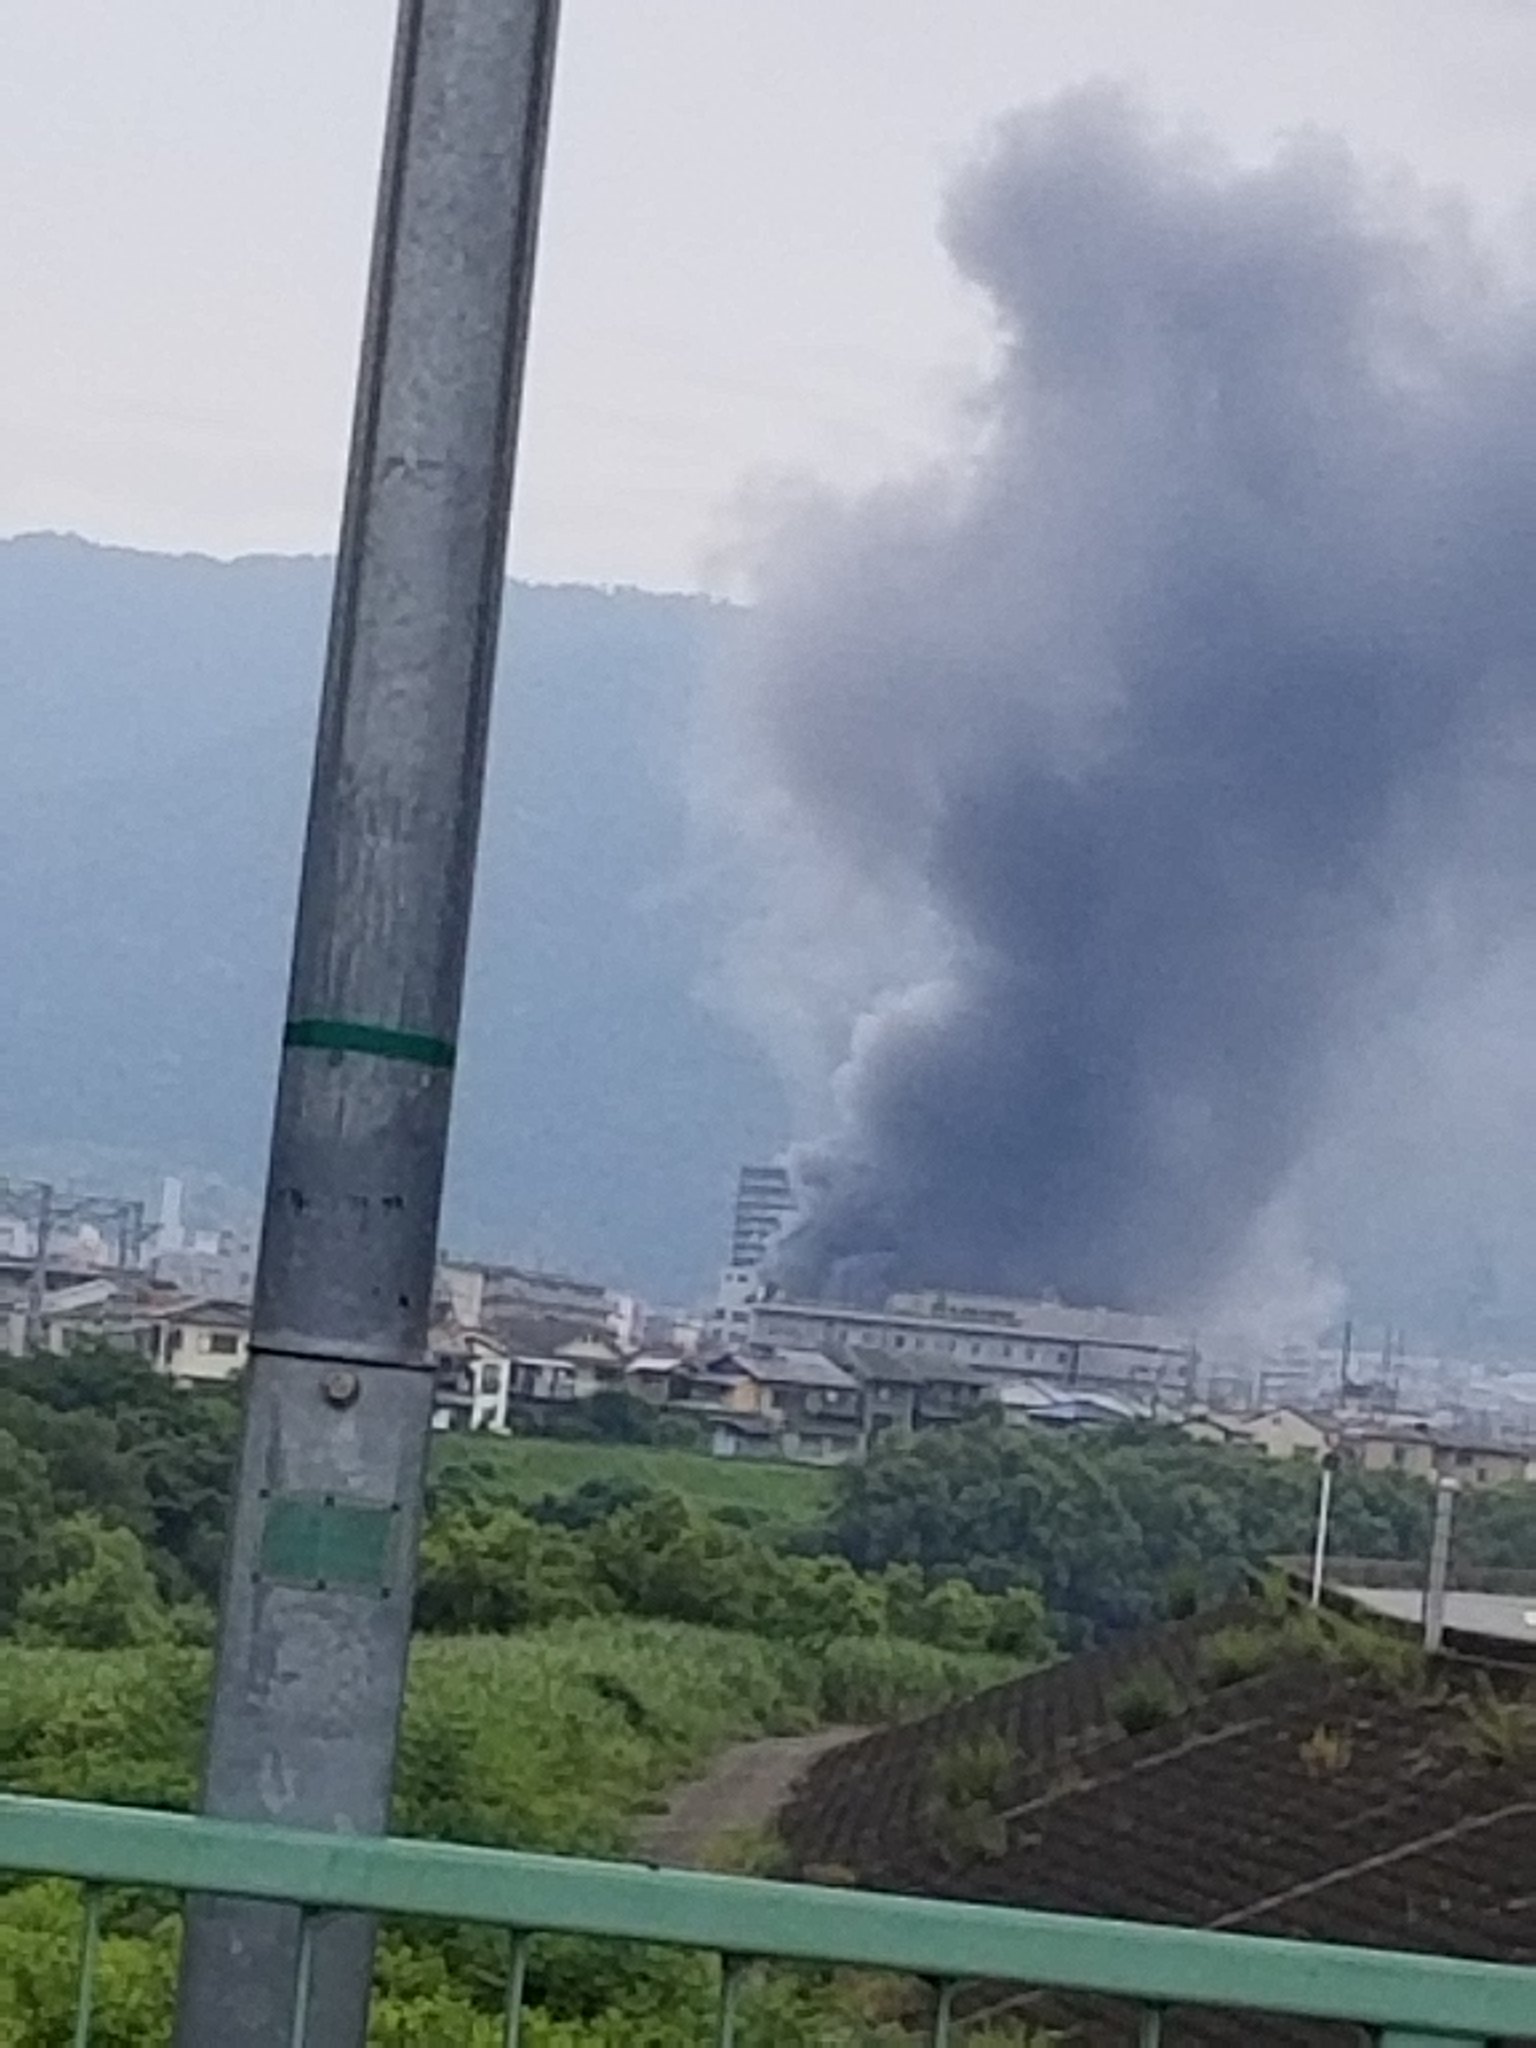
743, 1789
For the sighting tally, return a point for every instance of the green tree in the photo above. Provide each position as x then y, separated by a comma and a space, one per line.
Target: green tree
1020, 1627
501, 1571
26, 1511
823, 1599
96, 1592
666, 1557
955, 1616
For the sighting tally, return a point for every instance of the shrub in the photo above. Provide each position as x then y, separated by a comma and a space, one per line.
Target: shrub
100, 1593
974, 1769
967, 1782
1233, 1654
954, 1615
880, 1678
1498, 1731
1021, 1627
1182, 1595
1146, 1700
501, 1571
1372, 1653
969, 1834
1326, 1750
40, 1961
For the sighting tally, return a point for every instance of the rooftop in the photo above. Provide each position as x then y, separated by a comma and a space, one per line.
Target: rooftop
1048, 1321
533, 1336
1426, 1435
912, 1368
787, 1366
1311, 1796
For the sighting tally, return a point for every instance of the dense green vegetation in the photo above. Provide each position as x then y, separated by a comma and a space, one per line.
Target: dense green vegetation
554, 1739
1117, 1527
597, 1620
578, 1661
113, 1493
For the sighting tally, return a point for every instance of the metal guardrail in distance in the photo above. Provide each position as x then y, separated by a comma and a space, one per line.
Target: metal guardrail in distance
1402, 2000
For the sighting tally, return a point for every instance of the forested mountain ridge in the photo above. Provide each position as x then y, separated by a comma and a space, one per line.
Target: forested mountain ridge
159, 718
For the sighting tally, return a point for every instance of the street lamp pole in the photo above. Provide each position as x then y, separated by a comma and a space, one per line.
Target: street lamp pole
320, 1564
1438, 1576
1327, 1464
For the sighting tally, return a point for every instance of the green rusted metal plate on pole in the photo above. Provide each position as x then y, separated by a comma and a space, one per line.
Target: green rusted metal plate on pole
320, 1542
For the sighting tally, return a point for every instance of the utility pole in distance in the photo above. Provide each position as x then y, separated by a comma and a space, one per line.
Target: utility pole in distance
1437, 1578
1327, 1466
320, 1563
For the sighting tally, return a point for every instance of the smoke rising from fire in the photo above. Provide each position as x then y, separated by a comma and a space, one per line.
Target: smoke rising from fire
1155, 709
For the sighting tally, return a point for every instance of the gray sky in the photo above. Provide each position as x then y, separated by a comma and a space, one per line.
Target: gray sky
739, 274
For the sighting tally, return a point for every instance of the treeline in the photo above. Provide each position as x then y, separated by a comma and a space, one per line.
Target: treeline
114, 1493
114, 1489
1118, 1527
605, 1550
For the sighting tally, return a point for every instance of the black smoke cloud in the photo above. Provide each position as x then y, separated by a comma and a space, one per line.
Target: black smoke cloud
1156, 703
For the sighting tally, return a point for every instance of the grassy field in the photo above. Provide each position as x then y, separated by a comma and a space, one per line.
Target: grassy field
555, 1739
524, 1469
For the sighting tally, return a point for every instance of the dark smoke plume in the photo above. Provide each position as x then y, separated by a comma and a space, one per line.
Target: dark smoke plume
1156, 704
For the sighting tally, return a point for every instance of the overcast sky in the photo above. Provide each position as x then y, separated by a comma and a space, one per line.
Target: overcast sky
739, 275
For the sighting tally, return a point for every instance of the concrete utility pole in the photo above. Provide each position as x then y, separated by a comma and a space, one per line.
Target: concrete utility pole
321, 1556
37, 1282
1439, 1564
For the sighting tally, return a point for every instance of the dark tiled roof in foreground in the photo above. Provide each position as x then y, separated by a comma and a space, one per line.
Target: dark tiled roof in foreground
1309, 1800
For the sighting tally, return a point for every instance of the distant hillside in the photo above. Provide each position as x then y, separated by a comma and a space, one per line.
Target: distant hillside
157, 728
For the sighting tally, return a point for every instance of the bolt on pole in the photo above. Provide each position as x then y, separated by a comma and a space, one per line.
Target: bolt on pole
319, 1570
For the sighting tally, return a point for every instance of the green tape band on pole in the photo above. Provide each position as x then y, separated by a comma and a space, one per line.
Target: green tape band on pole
332, 1034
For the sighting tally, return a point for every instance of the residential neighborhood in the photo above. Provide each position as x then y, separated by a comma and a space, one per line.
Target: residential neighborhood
760, 1375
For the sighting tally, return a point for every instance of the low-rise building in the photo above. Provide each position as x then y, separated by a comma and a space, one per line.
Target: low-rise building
1278, 1432
1037, 1404
808, 1402
474, 1380
909, 1390
649, 1375
195, 1342
1438, 1456
549, 1361
487, 1296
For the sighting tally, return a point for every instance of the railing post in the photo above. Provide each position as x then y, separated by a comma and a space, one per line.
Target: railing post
732, 1971
320, 1565
517, 1980
943, 2014
90, 1945
303, 1978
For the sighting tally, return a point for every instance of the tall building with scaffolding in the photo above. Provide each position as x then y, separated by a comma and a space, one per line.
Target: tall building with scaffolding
765, 1208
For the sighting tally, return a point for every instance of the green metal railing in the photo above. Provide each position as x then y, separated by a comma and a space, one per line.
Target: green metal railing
1404, 2001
